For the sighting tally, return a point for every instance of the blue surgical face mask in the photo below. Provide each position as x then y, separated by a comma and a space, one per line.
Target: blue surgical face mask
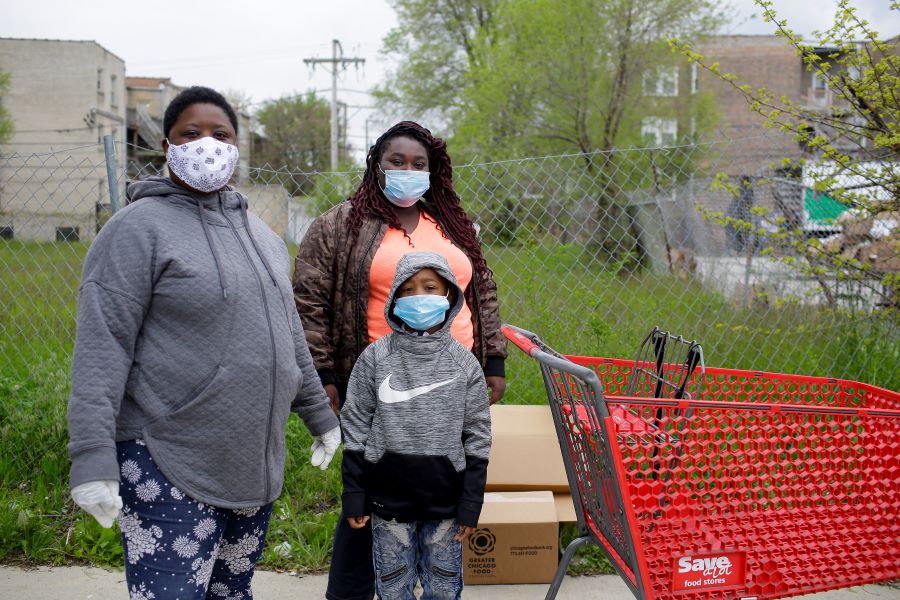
421, 312
404, 188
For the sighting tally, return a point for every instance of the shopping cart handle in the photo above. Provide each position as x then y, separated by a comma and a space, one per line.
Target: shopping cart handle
520, 338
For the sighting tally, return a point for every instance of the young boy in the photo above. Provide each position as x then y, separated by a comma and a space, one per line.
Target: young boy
417, 432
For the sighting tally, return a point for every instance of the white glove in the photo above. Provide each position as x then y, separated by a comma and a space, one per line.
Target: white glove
99, 498
324, 447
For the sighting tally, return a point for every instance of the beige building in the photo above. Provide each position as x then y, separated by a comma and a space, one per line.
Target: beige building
147, 100
64, 97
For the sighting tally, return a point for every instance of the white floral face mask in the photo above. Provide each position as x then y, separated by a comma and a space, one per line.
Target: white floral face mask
205, 164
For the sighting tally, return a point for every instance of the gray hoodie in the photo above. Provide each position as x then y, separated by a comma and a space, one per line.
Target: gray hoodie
188, 338
417, 424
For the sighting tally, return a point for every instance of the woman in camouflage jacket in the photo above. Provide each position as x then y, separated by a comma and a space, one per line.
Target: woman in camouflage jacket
343, 271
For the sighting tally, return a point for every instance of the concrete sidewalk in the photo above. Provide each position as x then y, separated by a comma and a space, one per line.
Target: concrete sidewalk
87, 583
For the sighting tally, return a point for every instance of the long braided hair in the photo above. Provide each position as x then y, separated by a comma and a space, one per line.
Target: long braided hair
440, 201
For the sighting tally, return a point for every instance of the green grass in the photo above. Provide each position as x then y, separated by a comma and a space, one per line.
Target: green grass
578, 307
38, 290
38, 521
574, 303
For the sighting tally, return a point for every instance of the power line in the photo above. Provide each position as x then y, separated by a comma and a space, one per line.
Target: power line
223, 58
48, 143
302, 94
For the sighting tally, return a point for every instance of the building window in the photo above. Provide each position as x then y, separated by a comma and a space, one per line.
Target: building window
113, 101
656, 131
820, 93
99, 81
67, 233
819, 81
661, 81
695, 78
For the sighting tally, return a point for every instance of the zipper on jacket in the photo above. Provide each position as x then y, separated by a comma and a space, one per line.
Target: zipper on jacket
262, 292
359, 271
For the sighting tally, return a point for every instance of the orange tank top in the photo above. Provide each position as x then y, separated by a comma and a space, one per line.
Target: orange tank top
426, 237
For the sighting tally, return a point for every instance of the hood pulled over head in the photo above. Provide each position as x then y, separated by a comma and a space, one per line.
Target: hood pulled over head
411, 264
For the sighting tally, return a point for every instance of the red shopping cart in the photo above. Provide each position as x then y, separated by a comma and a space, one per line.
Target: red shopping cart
702, 482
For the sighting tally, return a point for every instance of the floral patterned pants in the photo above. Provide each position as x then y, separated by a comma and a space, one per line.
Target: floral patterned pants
177, 547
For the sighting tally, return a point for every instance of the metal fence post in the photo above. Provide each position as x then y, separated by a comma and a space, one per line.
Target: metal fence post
109, 149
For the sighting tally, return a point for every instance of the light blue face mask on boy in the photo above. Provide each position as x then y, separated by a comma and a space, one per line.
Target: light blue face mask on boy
421, 312
404, 188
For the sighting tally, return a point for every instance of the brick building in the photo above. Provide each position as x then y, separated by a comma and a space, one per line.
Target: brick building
742, 143
770, 169
66, 95
758, 61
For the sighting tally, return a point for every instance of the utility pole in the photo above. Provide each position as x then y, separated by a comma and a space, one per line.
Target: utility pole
338, 63
369, 119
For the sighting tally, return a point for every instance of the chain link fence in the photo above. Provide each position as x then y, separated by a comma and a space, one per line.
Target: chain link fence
590, 251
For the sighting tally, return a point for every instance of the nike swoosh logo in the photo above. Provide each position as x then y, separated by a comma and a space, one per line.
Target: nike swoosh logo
389, 395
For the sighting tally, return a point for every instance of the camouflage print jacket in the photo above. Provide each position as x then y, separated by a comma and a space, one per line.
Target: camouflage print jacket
331, 291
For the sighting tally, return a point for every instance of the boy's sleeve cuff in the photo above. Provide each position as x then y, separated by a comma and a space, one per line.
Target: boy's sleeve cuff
326, 376
467, 514
495, 366
354, 504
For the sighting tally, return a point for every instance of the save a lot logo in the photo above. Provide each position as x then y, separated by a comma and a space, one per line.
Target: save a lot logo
708, 571
711, 566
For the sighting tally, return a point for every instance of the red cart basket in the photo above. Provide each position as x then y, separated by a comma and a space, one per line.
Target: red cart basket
723, 483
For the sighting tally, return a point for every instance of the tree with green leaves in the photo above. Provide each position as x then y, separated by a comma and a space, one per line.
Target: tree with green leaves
852, 156
513, 79
7, 127
574, 77
295, 138
437, 43
510, 77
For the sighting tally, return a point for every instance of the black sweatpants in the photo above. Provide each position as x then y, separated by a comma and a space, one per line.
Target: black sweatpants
351, 575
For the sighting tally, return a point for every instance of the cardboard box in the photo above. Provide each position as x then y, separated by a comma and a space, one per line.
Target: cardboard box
517, 540
565, 508
525, 452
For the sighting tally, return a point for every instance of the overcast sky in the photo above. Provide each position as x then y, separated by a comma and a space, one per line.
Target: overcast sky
258, 47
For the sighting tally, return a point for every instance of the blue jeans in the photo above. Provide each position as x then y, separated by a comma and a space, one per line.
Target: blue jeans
177, 547
404, 553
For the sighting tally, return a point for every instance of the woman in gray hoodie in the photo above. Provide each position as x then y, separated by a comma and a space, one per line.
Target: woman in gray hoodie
189, 357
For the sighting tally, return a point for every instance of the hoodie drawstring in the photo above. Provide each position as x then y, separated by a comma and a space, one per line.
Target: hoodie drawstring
212, 247
261, 256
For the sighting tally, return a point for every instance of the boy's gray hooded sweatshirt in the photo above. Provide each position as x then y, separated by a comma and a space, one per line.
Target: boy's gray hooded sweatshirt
188, 339
417, 424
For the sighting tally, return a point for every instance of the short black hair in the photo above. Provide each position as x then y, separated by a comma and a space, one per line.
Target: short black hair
197, 95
